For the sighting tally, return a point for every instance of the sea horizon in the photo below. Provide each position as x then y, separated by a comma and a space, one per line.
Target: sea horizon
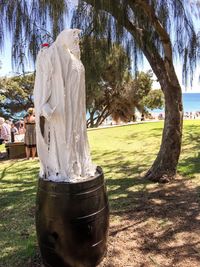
191, 103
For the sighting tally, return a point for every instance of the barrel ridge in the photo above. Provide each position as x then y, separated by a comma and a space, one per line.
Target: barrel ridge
52, 190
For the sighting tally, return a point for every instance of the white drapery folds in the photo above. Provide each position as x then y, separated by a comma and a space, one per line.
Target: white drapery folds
59, 98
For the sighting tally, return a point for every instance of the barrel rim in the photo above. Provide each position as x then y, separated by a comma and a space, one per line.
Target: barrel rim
98, 179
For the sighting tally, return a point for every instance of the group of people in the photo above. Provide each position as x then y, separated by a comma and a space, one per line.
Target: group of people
9, 130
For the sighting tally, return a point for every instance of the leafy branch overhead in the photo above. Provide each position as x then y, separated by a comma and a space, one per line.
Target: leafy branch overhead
110, 87
152, 24
30, 22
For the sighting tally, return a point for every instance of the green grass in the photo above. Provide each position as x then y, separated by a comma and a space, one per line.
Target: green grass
17, 198
124, 153
2, 148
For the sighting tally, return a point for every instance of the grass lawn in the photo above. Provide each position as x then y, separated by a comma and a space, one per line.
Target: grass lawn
124, 153
2, 148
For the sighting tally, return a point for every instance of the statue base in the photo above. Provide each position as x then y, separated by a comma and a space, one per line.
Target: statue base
72, 221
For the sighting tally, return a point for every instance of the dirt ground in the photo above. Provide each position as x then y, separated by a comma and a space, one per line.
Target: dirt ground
163, 230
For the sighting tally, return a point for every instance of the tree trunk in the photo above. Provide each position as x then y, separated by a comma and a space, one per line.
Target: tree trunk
91, 120
165, 164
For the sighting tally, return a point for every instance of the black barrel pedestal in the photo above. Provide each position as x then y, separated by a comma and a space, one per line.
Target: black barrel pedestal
72, 222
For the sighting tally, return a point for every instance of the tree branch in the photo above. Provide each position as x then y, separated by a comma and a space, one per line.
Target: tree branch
149, 50
162, 33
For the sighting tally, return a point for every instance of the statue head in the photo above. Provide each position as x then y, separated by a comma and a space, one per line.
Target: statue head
69, 38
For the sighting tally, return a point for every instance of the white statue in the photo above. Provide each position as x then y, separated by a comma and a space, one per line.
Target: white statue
59, 98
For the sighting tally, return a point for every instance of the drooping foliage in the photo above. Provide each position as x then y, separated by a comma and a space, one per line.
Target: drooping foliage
30, 23
116, 19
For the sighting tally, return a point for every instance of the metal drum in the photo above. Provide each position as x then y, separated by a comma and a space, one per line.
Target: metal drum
72, 221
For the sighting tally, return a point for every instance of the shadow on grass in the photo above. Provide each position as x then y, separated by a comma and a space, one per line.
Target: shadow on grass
189, 165
158, 216
174, 208
17, 204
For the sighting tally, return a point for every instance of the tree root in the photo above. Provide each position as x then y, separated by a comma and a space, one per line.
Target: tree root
160, 176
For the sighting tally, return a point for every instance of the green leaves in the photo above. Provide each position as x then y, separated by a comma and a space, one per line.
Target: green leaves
154, 99
16, 94
106, 70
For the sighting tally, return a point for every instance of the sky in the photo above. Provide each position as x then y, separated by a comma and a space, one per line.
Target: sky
6, 67
195, 85
5, 54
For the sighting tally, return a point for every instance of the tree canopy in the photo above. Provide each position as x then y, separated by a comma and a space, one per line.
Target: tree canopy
106, 71
16, 94
29, 23
153, 100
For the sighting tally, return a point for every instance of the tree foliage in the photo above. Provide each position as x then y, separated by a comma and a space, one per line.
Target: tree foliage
29, 23
162, 30
16, 94
130, 97
105, 71
110, 87
117, 19
154, 99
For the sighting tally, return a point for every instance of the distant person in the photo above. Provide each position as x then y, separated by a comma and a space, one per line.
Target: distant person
142, 117
21, 129
14, 131
5, 134
30, 134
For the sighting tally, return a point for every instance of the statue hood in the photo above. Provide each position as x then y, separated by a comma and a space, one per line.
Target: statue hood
69, 39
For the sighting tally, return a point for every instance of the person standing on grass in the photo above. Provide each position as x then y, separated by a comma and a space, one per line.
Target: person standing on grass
14, 131
5, 133
30, 134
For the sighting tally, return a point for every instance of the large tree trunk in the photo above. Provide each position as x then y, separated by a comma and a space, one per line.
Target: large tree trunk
165, 164
164, 167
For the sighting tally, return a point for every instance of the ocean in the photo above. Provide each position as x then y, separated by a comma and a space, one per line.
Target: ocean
191, 102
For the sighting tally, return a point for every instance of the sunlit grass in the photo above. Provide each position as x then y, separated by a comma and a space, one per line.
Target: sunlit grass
124, 153
17, 198
2, 148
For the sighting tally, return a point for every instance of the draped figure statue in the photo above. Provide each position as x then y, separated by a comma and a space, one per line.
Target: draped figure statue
59, 99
